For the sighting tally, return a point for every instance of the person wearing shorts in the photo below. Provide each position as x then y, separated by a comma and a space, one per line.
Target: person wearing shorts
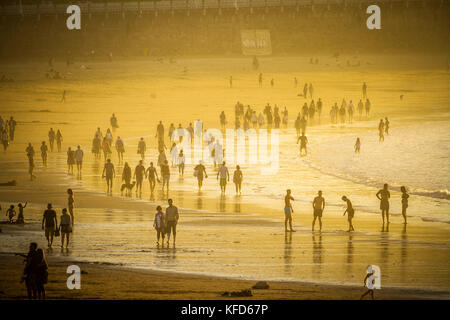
171, 218
49, 223
288, 210
318, 207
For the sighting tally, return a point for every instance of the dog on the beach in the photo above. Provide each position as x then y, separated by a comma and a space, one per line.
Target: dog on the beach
128, 187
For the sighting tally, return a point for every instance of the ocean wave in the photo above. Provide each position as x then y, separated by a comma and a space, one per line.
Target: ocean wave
439, 194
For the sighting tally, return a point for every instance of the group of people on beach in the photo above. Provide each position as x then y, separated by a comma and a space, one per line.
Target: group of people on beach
318, 205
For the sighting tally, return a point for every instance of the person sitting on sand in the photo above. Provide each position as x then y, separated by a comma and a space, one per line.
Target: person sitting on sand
350, 213
159, 224
10, 213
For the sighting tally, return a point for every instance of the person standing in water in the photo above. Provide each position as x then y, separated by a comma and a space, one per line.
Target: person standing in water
318, 207
381, 131
139, 173
44, 153
303, 142
51, 138
159, 225
59, 139
357, 145
386, 125
152, 175
224, 177
200, 173
405, 197
20, 216
109, 173
70, 204
30, 154
237, 179
50, 222
65, 226
288, 210
172, 217
383, 195
350, 213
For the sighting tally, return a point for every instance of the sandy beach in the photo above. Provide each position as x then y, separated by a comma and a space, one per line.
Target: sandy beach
228, 243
